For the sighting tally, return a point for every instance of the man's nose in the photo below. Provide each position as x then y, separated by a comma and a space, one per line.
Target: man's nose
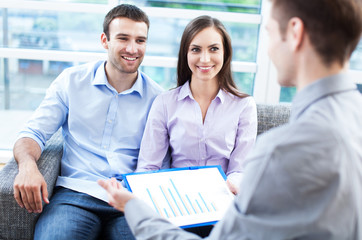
131, 47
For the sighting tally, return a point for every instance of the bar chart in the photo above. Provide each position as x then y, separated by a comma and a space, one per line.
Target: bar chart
185, 197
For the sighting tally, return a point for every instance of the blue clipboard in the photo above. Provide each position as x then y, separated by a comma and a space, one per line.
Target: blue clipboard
169, 195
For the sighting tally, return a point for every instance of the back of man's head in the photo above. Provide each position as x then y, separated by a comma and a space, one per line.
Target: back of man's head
334, 26
127, 11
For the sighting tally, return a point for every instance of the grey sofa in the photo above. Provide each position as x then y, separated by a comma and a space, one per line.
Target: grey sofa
17, 223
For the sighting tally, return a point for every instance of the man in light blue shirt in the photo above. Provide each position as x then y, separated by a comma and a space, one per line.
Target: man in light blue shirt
102, 109
303, 180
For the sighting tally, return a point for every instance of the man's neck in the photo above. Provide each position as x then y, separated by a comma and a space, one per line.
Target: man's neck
121, 81
313, 69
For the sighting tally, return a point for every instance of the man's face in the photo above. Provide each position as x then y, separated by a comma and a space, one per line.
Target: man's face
126, 44
280, 53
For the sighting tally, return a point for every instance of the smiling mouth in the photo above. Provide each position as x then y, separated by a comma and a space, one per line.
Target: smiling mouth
205, 68
129, 58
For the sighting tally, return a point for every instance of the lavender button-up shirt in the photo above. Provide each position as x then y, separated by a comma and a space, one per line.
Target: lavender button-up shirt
224, 138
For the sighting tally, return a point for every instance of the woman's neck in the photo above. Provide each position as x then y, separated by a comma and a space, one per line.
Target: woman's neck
204, 90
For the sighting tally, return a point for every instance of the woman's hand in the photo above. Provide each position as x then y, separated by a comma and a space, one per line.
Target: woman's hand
118, 196
232, 187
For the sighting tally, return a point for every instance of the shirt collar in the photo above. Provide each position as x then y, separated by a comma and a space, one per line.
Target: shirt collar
318, 90
185, 91
100, 78
137, 86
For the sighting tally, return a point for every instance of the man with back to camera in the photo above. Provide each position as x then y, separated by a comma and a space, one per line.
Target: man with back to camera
102, 108
303, 180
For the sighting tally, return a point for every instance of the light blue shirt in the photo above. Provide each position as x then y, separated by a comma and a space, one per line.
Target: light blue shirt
302, 181
102, 128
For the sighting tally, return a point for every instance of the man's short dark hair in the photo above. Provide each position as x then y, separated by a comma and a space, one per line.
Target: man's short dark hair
125, 10
333, 26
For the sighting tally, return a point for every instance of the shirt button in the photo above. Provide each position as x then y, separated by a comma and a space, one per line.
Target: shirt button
110, 121
104, 146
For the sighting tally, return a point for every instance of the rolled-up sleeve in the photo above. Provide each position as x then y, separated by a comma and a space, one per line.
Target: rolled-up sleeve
50, 115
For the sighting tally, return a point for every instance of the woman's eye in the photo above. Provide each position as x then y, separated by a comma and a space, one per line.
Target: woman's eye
214, 49
195, 50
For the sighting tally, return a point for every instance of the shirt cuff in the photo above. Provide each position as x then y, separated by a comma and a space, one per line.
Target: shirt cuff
29, 135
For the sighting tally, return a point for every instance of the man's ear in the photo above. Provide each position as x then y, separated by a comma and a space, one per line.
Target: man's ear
295, 33
104, 41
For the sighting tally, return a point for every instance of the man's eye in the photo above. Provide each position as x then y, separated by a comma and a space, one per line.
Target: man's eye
140, 41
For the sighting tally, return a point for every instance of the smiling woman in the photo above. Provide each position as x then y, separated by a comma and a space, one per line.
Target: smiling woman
181, 119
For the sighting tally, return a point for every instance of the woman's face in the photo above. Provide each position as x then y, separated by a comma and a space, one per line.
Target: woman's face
205, 55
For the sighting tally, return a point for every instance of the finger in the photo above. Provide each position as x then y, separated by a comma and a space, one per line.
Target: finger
30, 198
231, 187
37, 201
119, 185
107, 185
24, 197
44, 191
17, 196
113, 182
102, 183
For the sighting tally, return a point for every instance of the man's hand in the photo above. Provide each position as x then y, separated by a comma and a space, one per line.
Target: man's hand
29, 185
117, 195
30, 188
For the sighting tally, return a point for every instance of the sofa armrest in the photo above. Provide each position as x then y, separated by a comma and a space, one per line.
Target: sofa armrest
272, 115
16, 222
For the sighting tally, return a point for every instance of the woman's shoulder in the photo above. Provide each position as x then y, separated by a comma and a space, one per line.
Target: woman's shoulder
246, 100
169, 94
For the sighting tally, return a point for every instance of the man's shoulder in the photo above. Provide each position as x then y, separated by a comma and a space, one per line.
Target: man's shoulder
300, 137
85, 66
80, 74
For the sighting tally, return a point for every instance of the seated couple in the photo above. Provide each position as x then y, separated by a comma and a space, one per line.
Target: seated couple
116, 120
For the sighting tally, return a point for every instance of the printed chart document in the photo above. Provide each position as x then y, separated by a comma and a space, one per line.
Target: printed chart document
187, 197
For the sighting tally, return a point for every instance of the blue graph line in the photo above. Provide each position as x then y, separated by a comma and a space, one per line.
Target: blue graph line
180, 197
199, 205
166, 213
149, 194
188, 199
167, 201
213, 206
204, 202
169, 190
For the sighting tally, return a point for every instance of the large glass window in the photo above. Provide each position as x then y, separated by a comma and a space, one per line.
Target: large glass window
246, 6
356, 59
60, 27
54, 30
